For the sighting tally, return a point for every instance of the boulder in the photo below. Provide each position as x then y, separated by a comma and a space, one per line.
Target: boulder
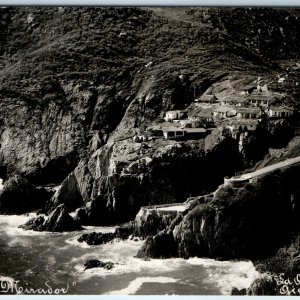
161, 245
68, 194
35, 224
124, 232
18, 196
96, 238
264, 286
150, 221
236, 292
94, 263
59, 220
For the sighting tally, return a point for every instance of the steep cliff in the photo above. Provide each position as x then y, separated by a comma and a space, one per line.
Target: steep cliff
126, 175
251, 221
78, 83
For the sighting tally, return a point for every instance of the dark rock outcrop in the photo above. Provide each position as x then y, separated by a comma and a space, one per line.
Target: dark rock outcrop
282, 269
19, 196
233, 222
124, 176
236, 220
36, 224
265, 286
150, 221
98, 264
237, 292
161, 245
67, 194
96, 238
125, 231
58, 221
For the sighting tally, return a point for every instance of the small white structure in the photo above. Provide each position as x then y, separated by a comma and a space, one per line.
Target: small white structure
223, 112
282, 111
186, 123
173, 115
243, 125
262, 88
173, 133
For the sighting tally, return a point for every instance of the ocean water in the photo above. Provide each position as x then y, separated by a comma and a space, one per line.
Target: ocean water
54, 262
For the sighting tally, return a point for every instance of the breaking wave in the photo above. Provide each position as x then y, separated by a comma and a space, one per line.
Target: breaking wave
130, 275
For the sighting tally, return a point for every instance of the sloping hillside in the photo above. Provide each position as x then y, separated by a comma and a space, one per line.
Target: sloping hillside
76, 82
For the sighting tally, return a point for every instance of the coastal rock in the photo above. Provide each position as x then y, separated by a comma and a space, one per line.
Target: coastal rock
161, 245
67, 194
265, 286
96, 238
150, 221
118, 190
281, 267
235, 220
98, 264
59, 220
237, 292
125, 231
18, 196
35, 224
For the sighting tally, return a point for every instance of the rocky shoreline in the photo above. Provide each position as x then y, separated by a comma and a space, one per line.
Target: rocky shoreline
227, 224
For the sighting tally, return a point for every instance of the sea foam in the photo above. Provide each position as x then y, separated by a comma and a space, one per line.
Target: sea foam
137, 283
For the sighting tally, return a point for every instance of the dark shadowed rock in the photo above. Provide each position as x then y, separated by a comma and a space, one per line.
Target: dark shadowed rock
35, 224
124, 232
264, 286
237, 220
161, 245
68, 194
236, 292
59, 220
98, 264
19, 196
150, 221
96, 238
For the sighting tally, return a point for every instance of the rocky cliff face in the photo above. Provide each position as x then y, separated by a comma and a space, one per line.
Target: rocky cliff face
65, 87
124, 176
18, 196
253, 221
78, 83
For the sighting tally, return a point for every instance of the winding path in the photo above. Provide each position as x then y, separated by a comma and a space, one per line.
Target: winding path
282, 164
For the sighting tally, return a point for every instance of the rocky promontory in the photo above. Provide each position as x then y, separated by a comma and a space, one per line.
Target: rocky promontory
58, 221
242, 222
19, 196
